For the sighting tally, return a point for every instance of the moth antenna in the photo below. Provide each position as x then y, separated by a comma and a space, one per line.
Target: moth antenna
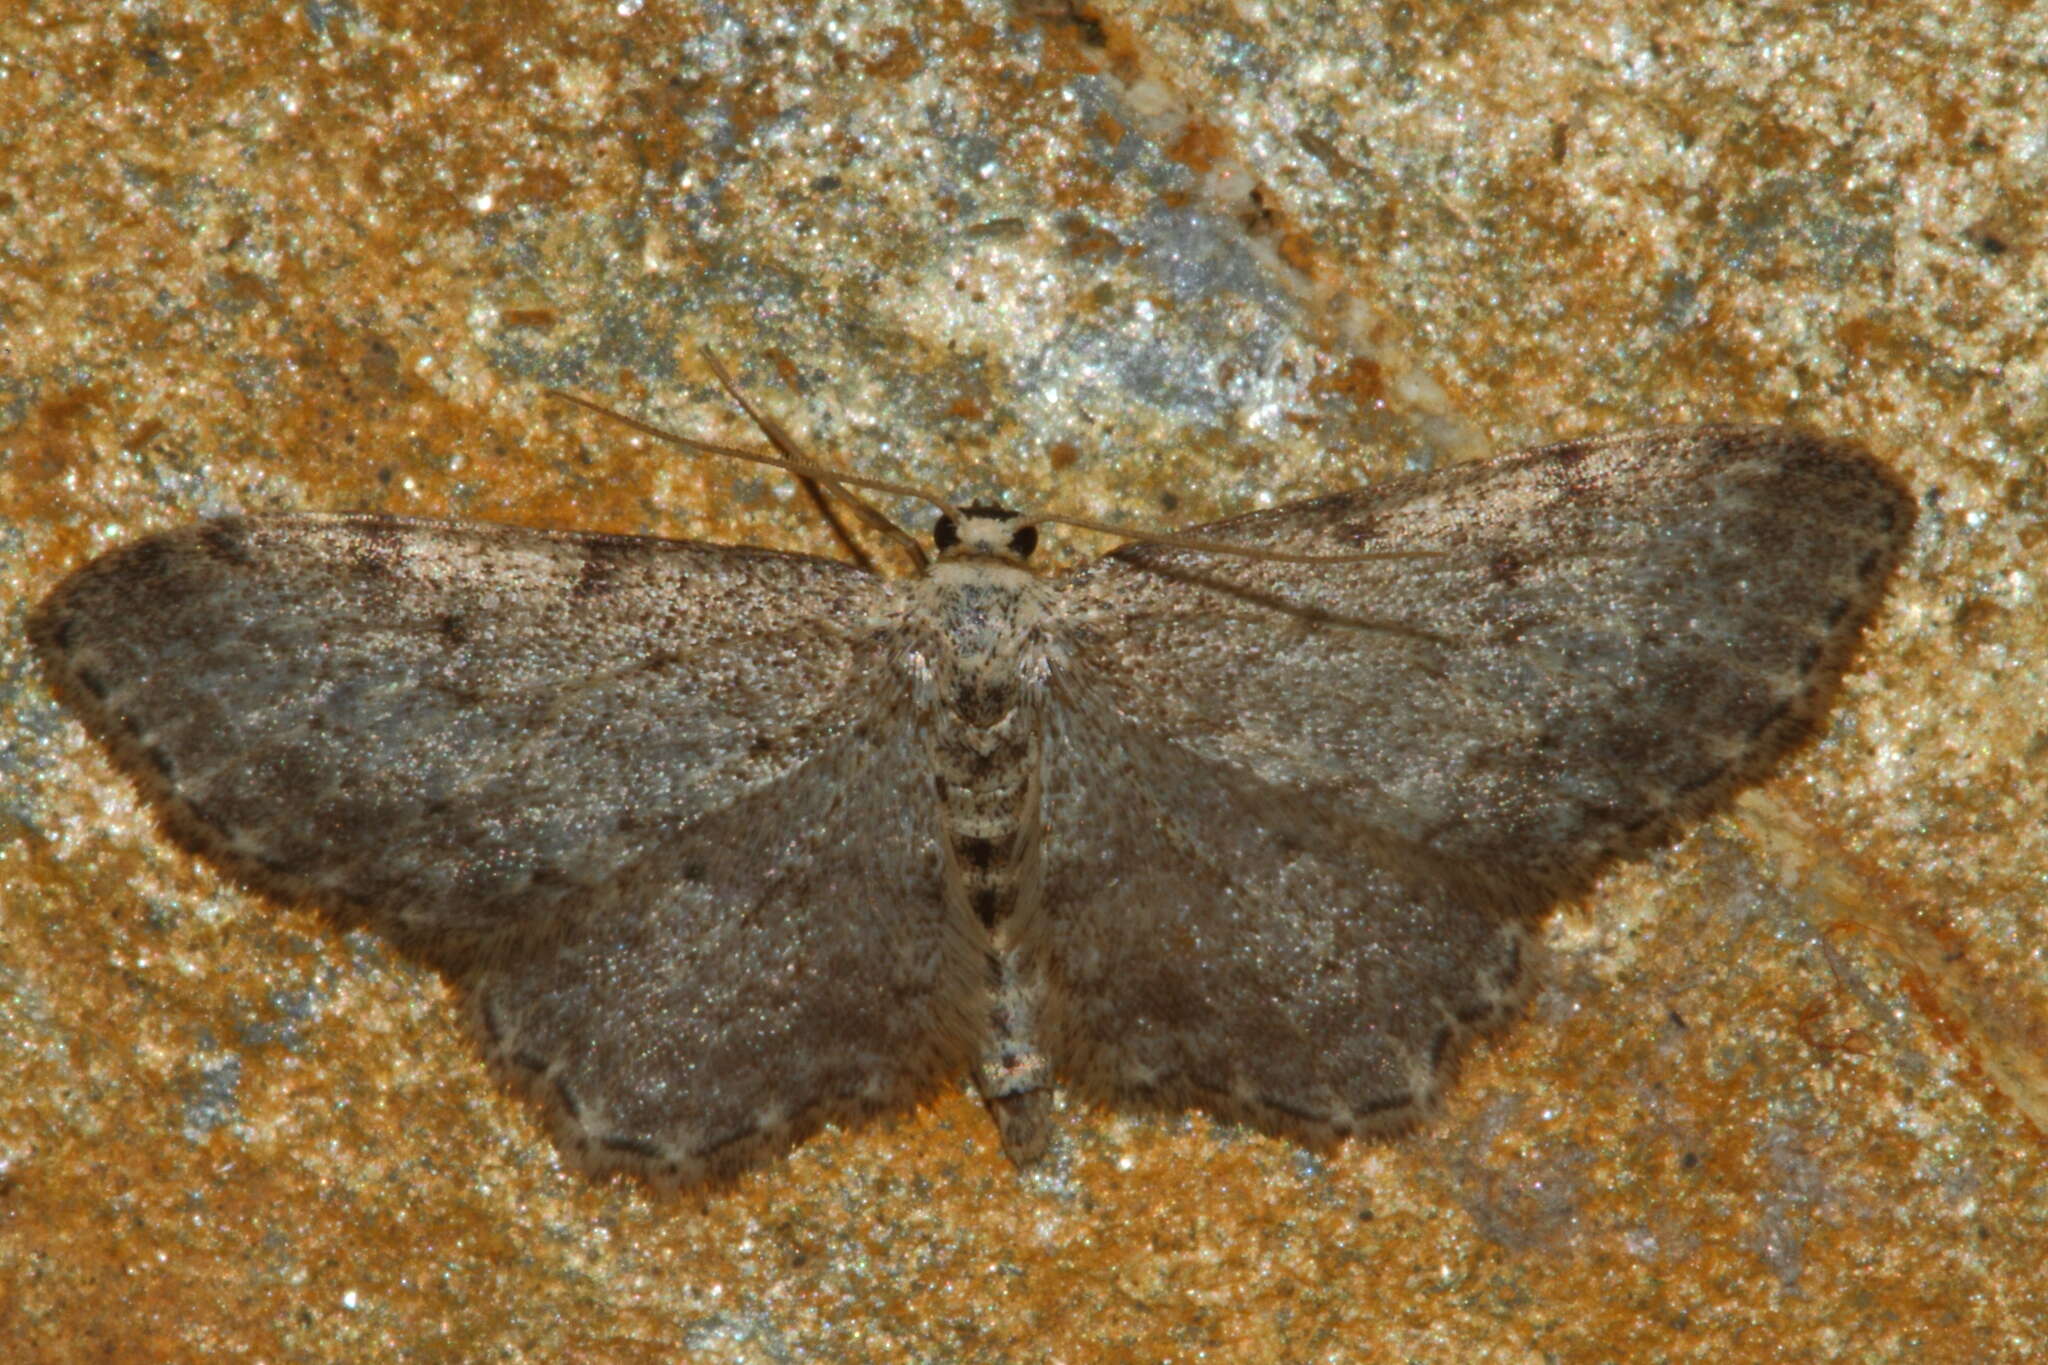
792, 459
1220, 547
826, 478
787, 445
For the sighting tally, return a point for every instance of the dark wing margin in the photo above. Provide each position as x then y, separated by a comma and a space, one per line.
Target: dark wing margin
657, 808
1222, 943
441, 728
1604, 640
1299, 817
785, 961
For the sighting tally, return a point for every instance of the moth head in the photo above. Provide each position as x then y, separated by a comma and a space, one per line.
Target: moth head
981, 529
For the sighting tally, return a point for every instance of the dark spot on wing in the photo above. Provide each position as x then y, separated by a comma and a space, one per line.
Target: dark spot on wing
568, 1098
145, 559
199, 812
56, 632
553, 876
1359, 530
459, 696
631, 1146
1770, 718
374, 548
1293, 1111
1713, 774
226, 542
740, 1134
599, 575
988, 906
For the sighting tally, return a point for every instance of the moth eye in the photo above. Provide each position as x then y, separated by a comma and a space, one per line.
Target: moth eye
945, 534
1023, 541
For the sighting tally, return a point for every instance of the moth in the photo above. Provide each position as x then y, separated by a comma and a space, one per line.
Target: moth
719, 844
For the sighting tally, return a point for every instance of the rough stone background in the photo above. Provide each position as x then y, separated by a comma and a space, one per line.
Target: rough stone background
1787, 1082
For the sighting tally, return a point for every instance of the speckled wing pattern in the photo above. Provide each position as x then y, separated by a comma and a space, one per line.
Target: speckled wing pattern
1259, 836
1356, 783
647, 802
